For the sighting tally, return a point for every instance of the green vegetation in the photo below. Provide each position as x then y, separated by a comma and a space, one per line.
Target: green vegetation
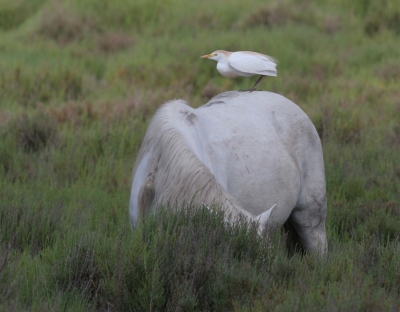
79, 81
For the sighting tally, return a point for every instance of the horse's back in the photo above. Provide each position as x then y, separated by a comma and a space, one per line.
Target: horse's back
256, 144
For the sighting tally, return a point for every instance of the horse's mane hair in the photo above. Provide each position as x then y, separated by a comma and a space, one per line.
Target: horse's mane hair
177, 174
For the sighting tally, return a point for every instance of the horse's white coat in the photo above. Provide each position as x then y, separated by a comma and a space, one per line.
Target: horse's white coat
244, 151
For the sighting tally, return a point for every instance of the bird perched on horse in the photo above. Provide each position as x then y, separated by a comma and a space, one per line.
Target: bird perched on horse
243, 63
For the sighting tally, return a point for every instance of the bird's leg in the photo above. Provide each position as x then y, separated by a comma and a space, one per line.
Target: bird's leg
257, 82
254, 87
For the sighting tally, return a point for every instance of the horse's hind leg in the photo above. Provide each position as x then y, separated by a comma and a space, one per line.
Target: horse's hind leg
308, 219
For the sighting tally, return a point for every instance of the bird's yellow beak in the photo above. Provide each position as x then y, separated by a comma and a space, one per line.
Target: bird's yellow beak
207, 56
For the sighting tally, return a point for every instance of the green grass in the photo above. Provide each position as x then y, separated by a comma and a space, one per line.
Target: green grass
79, 82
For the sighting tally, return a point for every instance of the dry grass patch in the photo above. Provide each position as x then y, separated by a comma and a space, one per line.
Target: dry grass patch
332, 24
389, 72
34, 133
140, 102
114, 42
63, 25
73, 112
280, 13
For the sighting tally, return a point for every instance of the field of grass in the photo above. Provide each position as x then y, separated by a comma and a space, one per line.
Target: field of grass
79, 82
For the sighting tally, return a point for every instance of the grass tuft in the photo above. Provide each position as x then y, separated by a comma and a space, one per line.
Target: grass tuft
7, 283
63, 25
115, 42
279, 13
34, 133
14, 13
28, 228
78, 270
29, 89
189, 260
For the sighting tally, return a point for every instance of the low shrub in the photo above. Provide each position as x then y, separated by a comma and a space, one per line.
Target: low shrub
33, 133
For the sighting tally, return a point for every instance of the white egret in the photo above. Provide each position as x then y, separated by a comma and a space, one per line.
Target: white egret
243, 63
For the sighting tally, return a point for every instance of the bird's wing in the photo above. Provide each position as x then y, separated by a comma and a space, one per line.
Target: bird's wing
253, 63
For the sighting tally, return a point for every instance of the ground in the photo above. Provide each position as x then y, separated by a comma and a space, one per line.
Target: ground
79, 81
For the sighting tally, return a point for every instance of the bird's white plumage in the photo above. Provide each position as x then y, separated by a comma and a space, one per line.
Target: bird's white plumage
253, 63
243, 63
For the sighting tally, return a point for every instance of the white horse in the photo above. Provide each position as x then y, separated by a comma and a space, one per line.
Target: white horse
254, 154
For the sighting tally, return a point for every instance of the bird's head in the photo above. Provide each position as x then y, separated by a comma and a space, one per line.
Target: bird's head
217, 55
